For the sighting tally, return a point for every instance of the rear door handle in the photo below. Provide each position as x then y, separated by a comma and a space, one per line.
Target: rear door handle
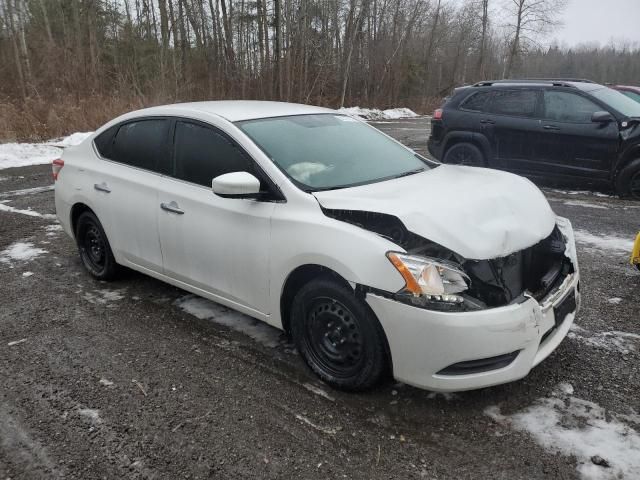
172, 207
550, 127
487, 122
102, 187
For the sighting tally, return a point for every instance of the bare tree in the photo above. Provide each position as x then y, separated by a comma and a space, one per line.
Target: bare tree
530, 19
72, 64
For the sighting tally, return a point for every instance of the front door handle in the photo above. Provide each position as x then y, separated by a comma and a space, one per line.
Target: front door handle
102, 187
550, 127
172, 207
487, 122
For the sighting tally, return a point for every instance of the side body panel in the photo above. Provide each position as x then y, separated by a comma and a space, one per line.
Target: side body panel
220, 245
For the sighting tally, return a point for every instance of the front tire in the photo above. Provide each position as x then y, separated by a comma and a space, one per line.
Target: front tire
628, 180
464, 154
93, 246
338, 336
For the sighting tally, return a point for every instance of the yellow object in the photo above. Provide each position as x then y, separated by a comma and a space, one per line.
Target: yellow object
635, 253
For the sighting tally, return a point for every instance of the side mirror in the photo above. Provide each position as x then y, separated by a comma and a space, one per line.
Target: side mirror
602, 117
236, 185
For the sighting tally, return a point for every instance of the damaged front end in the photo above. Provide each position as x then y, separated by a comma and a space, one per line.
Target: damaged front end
440, 279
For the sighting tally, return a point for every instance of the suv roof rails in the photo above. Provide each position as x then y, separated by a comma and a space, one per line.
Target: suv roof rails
561, 82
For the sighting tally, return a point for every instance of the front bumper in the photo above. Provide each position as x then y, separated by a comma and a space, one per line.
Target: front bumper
425, 342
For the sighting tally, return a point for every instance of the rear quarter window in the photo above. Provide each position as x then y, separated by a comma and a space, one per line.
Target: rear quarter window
104, 142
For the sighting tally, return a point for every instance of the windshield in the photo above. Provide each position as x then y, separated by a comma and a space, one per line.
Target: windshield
618, 101
326, 151
632, 95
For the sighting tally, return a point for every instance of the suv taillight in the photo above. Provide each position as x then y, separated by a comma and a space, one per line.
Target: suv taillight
56, 166
437, 114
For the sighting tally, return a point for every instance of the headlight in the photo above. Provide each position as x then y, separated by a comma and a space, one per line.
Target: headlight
430, 278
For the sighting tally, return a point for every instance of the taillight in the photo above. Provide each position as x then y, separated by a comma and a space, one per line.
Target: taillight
56, 166
437, 114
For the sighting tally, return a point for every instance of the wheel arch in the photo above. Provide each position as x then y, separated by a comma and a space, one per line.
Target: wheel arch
296, 279
628, 155
480, 141
303, 274
78, 209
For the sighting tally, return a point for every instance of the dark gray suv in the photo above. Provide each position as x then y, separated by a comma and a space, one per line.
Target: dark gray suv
572, 130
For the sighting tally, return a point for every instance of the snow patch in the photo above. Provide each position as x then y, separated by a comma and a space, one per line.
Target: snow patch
579, 203
603, 242
91, 414
27, 274
580, 428
376, 114
25, 154
102, 297
53, 230
20, 251
207, 310
318, 391
31, 213
327, 430
614, 300
614, 341
105, 382
70, 141
579, 192
16, 342
27, 191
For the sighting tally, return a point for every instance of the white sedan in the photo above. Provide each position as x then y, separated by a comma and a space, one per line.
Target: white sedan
375, 260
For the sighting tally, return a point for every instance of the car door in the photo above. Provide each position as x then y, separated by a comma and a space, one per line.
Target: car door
570, 143
511, 123
218, 245
132, 157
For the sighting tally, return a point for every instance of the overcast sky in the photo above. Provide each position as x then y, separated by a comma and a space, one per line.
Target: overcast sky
600, 21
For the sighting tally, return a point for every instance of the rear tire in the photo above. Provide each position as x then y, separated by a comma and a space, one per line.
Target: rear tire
93, 246
464, 154
338, 336
628, 180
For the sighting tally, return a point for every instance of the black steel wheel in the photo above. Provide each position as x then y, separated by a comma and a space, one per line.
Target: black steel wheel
338, 336
93, 246
464, 154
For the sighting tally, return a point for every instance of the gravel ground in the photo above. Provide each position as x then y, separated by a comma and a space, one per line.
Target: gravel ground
115, 381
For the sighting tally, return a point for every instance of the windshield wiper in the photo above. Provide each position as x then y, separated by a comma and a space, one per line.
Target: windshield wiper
410, 172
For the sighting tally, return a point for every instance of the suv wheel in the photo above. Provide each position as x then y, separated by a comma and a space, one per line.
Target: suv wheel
464, 154
94, 248
338, 336
628, 180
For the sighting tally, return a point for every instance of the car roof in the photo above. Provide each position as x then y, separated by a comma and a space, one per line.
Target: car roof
578, 83
626, 87
235, 110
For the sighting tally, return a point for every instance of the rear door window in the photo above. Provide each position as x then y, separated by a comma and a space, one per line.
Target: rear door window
568, 107
518, 103
203, 153
143, 144
476, 102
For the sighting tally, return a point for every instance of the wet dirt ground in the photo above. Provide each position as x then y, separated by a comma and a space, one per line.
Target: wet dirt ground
115, 380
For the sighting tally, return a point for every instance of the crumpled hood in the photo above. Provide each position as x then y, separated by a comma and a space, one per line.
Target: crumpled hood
478, 213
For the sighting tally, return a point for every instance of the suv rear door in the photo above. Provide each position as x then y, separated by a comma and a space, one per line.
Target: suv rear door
570, 143
510, 125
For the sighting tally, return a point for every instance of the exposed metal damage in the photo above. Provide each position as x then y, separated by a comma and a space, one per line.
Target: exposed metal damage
532, 272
